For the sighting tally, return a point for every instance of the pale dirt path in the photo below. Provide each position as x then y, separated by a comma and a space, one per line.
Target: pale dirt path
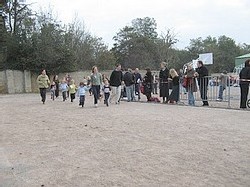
131, 144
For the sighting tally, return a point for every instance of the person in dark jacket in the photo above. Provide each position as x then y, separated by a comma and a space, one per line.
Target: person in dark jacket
174, 77
244, 84
116, 78
201, 74
138, 80
147, 83
163, 77
129, 81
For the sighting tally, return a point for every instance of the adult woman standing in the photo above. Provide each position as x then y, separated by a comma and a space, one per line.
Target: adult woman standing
163, 76
174, 77
147, 83
191, 85
43, 83
96, 81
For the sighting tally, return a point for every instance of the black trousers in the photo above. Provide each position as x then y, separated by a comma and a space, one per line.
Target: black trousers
244, 89
72, 96
43, 94
203, 92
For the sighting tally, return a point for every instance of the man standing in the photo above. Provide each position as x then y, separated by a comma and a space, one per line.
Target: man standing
116, 78
201, 74
244, 84
43, 83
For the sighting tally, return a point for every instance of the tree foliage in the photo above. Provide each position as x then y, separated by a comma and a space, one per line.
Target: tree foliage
37, 41
224, 51
40, 41
140, 46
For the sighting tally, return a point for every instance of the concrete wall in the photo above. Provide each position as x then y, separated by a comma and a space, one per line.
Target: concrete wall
3, 82
12, 81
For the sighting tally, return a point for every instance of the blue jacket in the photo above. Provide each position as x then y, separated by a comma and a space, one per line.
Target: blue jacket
64, 87
82, 90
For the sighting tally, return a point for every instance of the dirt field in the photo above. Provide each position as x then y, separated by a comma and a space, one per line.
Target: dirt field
131, 144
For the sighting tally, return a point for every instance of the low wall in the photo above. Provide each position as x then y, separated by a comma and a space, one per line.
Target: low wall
13, 81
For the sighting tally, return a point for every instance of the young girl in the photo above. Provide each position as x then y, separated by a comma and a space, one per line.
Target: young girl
81, 91
53, 90
106, 90
72, 90
64, 88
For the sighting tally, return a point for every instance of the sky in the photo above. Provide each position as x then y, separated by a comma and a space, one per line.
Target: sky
188, 19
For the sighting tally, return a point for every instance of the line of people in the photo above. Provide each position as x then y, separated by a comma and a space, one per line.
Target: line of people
131, 83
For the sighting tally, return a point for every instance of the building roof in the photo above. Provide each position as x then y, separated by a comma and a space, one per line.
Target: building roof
244, 56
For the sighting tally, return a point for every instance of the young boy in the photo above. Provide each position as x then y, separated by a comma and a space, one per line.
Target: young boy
64, 88
81, 91
106, 90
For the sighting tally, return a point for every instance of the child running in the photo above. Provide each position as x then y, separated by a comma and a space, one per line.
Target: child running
64, 88
106, 90
53, 90
81, 91
72, 90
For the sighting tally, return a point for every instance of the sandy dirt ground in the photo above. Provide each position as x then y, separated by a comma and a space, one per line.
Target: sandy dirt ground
131, 144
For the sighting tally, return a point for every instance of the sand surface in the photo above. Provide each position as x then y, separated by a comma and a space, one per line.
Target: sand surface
131, 144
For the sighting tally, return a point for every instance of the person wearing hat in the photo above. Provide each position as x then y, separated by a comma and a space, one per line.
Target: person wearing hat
223, 82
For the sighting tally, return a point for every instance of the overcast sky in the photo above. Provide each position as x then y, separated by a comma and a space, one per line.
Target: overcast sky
189, 19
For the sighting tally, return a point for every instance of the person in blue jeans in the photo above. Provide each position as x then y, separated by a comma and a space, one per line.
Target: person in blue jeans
191, 86
223, 82
128, 79
96, 81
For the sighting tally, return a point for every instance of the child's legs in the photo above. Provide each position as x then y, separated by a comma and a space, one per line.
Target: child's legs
82, 100
64, 95
106, 96
72, 96
53, 94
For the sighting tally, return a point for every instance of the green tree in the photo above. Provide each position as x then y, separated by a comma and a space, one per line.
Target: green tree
224, 51
135, 45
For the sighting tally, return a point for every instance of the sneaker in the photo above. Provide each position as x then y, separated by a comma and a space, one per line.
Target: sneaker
218, 99
96, 105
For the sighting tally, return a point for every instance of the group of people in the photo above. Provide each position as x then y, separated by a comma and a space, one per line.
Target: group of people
189, 82
134, 84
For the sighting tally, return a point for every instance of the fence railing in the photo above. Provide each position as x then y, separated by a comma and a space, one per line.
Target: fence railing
209, 88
